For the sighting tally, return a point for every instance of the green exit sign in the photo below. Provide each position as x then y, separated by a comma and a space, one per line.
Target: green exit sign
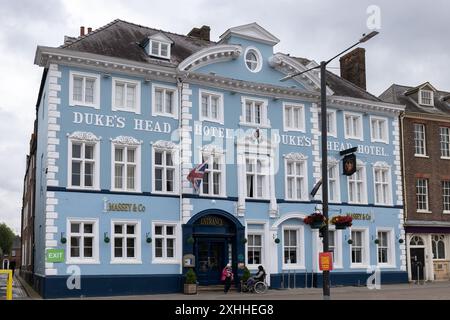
55, 255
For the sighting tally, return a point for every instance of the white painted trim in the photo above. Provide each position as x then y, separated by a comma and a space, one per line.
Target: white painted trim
300, 247
419, 93
389, 176
137, 95
259, 59
175, 106
392, 263
96, 247
218, 53
160, 42
385, 129
214, 151
366, 248
137, 249
97, 89
221, 105
265, 121
138, 164
334, 126
364, 199
287, 216
264, 235
175, 160
304, 187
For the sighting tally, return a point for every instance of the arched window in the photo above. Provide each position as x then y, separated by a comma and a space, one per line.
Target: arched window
438, 246
416, 241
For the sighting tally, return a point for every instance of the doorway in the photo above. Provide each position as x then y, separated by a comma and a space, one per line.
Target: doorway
417, 263
211, 257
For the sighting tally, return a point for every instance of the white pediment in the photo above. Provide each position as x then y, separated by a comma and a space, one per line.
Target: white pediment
160, 37
251, 31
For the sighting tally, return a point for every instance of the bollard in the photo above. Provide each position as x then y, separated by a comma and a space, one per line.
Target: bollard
9, 282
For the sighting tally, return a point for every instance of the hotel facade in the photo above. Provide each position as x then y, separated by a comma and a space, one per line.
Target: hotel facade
125, 112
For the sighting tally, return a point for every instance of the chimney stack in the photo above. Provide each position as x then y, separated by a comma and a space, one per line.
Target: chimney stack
81, 31
89, 30
353, 67
202, 33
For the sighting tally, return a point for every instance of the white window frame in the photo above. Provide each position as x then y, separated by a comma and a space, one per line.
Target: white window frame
300, 248
334, 166
266, 190
177, 247
388, 200
364, 186
391, 248
337, 257
175, 161
443, 196
84, 75
96, 160
424, 154
160, 43
265, 122
434, 245
381, 121
165, 87
222, 170
331, 125
137, 181
291, 106
365, 246
137, 249
360, 134
427, 195
421, 100
95, 242
304, 186
220, 111
259, 60
255, 232
446, 141
137, 95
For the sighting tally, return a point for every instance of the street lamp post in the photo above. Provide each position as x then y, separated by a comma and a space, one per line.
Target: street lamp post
323, 111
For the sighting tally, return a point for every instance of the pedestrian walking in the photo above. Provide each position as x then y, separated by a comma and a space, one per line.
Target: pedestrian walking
227, 277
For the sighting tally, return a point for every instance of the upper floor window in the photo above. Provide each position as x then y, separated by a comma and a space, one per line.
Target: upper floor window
294, 117
214, 177
353, 126
296, 179
426, 97
445, 141
419, 140
126, 95
164, 101
357, 186
333, 182
446, 196
253, 59
257, 177
379, 129
422, 195
84, 89
211, 106
382, 184
164, 170
84, 162
254, 112
126, 165
331, 123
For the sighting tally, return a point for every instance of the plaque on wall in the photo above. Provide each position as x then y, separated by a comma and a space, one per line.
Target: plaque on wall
189, 261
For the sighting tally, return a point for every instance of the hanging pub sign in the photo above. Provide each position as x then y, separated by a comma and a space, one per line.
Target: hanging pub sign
349, 162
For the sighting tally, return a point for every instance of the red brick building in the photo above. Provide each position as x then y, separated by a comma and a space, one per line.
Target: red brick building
425, 127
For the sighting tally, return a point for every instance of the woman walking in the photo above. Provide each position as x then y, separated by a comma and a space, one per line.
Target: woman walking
227, 277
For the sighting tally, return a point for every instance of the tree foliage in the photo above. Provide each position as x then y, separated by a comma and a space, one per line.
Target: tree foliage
6, 239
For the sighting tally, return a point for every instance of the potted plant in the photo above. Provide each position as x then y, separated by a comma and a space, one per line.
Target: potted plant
190, 284
315, 220
245, 276
342, 222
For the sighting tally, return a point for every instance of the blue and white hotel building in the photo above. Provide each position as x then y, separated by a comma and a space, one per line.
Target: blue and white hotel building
125, 112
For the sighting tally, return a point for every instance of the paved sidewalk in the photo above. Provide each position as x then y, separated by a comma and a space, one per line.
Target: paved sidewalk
18, 290
426, 291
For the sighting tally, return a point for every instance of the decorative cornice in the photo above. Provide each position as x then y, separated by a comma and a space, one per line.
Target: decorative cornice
295, 156
213, 149
161, 144
126, 140
361, 104
84, 136
381, 164
219, 53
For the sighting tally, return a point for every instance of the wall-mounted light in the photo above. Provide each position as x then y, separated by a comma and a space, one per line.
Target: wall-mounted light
63, 238
105, 237
148, 238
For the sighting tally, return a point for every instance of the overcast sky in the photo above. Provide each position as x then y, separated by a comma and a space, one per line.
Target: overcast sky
413, 47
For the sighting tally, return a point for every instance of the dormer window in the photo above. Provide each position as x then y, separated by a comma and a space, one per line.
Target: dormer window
426, 97
160, 49
159, 46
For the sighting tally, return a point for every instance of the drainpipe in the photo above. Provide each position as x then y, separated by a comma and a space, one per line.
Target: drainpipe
180, 165
405, 211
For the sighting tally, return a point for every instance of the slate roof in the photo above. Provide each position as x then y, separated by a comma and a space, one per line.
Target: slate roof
126, 40
396, 94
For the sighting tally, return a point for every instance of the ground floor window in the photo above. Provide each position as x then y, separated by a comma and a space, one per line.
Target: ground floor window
82, 244
125, 241
292, 247
358, 249
384, 247
165, 241
438, 246
254, 249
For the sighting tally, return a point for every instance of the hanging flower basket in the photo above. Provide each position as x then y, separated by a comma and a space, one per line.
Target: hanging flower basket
277, 240
342, 222
315, 220
190, 240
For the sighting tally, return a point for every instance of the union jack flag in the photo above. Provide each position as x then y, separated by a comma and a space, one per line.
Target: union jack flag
196, 175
